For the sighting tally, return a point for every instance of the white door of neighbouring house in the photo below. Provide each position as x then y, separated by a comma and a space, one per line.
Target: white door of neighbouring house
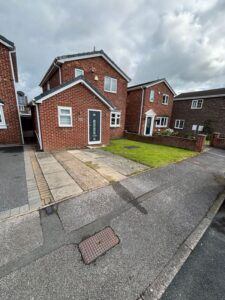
149, 122
94, 126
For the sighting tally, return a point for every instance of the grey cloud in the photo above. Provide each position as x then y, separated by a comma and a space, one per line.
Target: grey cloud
178, 39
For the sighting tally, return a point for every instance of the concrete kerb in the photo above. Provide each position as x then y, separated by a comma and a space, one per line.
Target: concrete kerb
157, 288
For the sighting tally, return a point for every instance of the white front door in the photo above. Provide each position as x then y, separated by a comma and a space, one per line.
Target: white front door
148, 126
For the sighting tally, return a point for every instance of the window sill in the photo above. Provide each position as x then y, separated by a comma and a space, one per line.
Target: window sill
110, 92
112, 126
178, 128
3, 127
65, 126
196, 107
165, 103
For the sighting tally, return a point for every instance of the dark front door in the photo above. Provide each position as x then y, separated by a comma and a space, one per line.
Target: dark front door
94, 127
148, 126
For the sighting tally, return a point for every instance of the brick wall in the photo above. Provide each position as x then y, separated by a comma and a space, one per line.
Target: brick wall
134, 107
173, 141
217, 141
80, 99
213, 109
54, 81
12, 134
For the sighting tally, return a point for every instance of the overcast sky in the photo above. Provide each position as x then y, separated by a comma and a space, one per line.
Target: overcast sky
182, 40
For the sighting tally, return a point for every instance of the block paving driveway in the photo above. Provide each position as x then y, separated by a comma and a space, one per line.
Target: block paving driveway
70, 173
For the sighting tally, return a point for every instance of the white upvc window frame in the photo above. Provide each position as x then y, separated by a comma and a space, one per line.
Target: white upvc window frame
48, 86
116, 117
164, 125
167, 97
178, 123
152, 96
195, 102
78, 70
110, 90
65, 114
2, 121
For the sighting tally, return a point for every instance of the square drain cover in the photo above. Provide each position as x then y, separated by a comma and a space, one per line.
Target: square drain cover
98, 244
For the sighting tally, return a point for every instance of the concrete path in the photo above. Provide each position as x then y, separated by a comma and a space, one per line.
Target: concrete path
151, 213
202, 276
61, 184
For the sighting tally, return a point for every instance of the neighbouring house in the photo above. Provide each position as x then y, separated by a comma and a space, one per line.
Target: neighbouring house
83, 102
10, 125
199, 112
149, 107
23, 103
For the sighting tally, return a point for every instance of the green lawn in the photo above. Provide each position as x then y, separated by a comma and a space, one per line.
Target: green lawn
148, 154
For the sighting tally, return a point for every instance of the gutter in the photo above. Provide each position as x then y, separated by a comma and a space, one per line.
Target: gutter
17, 105
142, 103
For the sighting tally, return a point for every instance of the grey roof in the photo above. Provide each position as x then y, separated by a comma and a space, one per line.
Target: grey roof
145, 83
1, 101
49, 92
201, 94
4, 39
77, 55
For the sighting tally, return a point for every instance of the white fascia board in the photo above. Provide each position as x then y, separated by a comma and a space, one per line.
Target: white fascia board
95, 55
200, 97
69, 86
6, 44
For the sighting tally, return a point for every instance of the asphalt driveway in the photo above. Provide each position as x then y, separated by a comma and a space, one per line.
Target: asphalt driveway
13, 185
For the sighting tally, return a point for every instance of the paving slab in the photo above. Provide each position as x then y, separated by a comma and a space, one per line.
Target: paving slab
66, 191
60, 183
86, 177
58, 179
19, 235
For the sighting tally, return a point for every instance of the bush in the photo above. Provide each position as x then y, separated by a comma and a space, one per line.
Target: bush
169, 132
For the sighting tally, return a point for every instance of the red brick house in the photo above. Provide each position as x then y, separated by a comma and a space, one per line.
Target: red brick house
201, 111
83, 102
149, 107
10, 127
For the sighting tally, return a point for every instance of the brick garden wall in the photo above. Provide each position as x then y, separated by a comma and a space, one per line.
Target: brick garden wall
217, 141
80, 99
10, 135
184, 143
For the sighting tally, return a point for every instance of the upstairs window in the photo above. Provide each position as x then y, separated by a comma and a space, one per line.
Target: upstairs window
115, 119
152, 96
179, 124
65, 116
161, 122
197, 104
165, 99
2, 117
110, 84
79, 72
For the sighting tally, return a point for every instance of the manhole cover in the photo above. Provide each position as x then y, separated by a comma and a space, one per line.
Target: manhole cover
131, 147
98, 244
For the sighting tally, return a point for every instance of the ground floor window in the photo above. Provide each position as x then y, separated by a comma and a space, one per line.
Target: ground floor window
161, 122
115, 119
197, 128
65, 116
2, 117
179, 124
